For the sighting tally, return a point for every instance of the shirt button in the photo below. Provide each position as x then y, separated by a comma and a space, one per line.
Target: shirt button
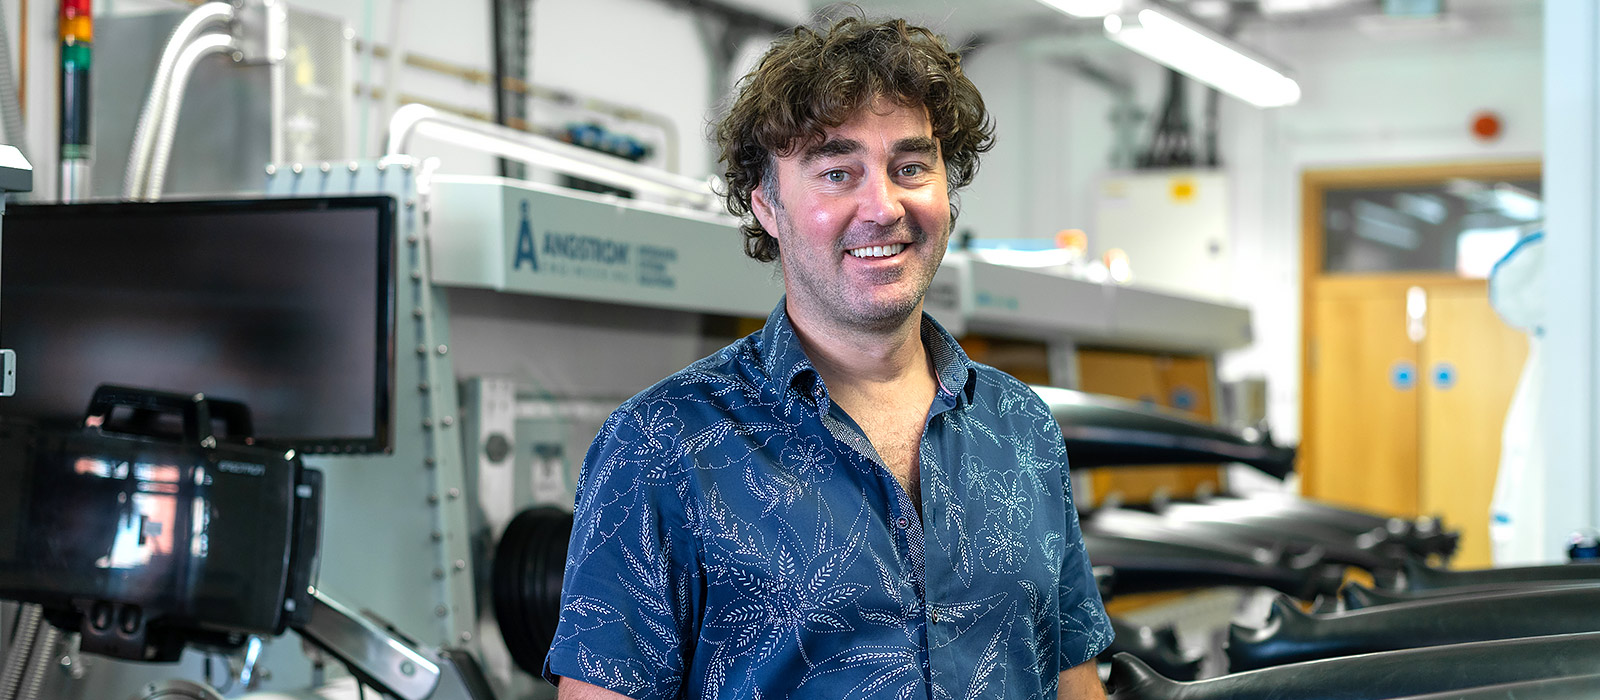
933, 615
903, 523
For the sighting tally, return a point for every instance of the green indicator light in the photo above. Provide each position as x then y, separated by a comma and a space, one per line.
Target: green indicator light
75, 55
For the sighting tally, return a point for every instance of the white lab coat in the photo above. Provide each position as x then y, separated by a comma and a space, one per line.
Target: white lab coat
1516, 530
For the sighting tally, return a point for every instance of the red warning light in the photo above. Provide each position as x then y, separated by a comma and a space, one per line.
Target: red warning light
1486, 126
76, 8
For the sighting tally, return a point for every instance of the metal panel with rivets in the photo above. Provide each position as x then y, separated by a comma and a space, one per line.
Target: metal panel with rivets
395, 538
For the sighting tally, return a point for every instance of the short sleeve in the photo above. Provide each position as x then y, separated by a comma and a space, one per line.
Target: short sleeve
1085, 629
626, 609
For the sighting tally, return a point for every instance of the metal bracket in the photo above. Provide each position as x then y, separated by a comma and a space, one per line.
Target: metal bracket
16, 175
376, 656
260, 29
8, 365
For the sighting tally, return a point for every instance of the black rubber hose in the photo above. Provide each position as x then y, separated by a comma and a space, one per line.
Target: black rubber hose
1375, 676
1420, 577
1290, 635
1570, 688
1146, 566
1157, 647
1354, 596
1102, 431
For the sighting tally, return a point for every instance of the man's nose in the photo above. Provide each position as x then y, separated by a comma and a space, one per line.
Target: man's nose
882, 201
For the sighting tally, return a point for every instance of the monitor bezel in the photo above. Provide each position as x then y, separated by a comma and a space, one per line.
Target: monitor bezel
381, 441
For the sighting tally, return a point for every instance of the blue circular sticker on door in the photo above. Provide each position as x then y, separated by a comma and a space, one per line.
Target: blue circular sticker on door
1184, 398
1444, 375
1403, 375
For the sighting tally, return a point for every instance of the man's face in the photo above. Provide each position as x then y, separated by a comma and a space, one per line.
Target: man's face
862, 218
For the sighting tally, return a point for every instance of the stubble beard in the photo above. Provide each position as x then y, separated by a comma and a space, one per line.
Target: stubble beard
836, 302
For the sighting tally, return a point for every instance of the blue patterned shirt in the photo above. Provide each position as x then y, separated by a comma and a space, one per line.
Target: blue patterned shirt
736, 535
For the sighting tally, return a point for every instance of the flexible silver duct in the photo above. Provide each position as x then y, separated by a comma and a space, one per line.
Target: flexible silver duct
161, 155
17, 655
10, 106
145, 134
44, 654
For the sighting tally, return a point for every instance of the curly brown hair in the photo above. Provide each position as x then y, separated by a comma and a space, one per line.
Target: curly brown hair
816, 79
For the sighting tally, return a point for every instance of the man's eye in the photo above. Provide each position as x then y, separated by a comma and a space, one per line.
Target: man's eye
836, 175
911, 170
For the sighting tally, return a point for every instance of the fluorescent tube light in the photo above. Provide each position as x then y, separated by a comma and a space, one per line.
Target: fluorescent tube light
1086, 8
1201, 54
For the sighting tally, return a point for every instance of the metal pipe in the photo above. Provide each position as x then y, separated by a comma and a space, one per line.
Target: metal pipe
144, 135
44, 654
669, 129
391, 68
73, 180
76, 25
17, 656
167, 130
533, 149
22, 55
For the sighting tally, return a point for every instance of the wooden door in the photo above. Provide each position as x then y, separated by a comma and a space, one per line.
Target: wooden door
1368, 236
1361, 442
1470, 365
1178, 382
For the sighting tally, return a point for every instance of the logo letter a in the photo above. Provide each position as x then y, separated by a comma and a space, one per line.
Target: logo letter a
525, 243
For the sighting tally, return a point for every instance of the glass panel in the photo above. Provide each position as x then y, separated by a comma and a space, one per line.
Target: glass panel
1461, 226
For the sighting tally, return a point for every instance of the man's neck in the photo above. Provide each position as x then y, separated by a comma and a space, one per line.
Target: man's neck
861, 360
883, 381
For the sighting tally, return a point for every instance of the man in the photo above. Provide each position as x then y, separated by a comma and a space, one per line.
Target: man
841, 505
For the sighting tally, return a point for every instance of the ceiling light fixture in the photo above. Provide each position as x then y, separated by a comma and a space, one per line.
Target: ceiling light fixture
1086, 8
1190, 48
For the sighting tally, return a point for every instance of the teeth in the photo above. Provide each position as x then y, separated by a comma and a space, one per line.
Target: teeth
878, 251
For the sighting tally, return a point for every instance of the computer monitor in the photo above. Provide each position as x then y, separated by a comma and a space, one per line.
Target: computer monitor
285, 305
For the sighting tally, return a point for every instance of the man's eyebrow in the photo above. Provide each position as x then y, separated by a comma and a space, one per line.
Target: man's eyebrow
831, 147
921, 145
917, 144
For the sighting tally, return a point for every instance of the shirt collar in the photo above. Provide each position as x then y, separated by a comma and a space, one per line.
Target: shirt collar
785, 361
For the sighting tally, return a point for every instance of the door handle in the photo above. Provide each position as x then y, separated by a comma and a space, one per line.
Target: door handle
1416, 314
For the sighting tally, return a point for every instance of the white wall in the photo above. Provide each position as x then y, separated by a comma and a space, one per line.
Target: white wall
1052, 138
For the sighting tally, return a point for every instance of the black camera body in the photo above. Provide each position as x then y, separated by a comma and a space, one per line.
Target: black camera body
148, 529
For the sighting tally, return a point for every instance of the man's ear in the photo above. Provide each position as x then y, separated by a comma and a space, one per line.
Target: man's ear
764, 210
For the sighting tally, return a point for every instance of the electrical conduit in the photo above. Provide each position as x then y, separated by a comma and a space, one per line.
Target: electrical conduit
167, 130
21, 645
144, 136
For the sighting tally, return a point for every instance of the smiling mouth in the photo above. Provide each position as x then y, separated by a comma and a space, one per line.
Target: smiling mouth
877, 251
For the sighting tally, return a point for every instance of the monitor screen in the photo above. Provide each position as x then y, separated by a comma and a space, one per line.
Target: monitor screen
286, 305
